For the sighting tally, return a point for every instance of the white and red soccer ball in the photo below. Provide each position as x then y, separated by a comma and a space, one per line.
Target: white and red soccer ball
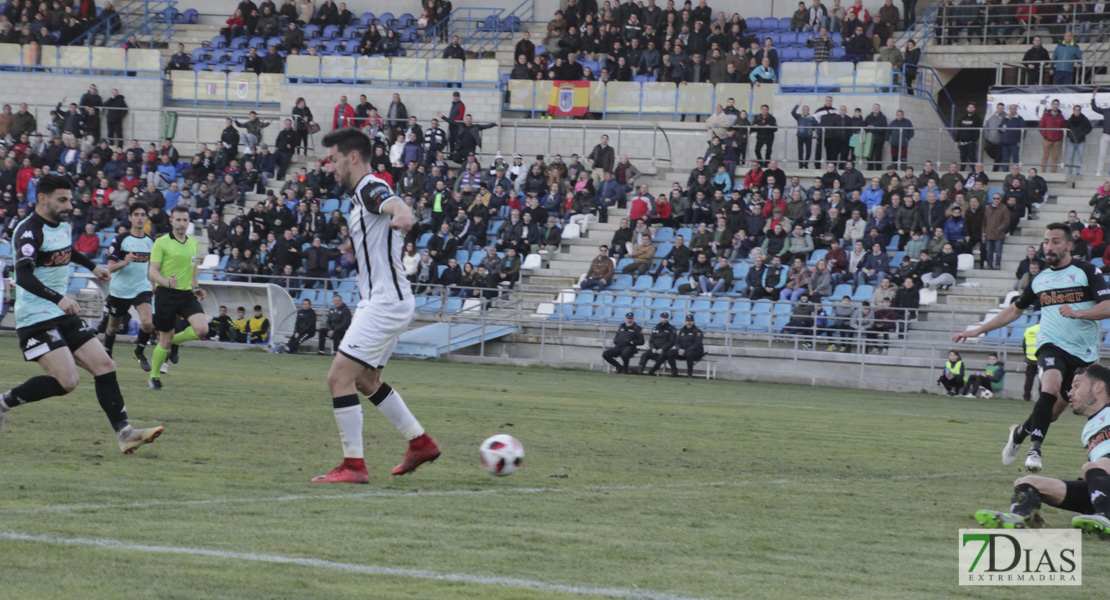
502, 455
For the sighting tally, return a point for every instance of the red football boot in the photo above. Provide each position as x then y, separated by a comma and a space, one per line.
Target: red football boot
421, 450
353, 470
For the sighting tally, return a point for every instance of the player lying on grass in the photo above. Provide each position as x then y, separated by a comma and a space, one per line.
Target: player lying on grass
50, 331
1089, 496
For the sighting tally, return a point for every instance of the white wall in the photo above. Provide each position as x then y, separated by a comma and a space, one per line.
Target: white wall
45, 91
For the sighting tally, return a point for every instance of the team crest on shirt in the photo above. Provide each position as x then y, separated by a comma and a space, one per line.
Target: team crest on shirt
27, 249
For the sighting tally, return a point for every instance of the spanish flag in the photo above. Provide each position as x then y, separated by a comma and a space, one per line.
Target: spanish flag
569, 98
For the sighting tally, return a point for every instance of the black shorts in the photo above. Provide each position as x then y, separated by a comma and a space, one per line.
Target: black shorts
118, 307
1050, 357
170, 304
68, 331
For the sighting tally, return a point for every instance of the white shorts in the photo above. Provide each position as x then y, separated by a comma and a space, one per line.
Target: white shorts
374, 331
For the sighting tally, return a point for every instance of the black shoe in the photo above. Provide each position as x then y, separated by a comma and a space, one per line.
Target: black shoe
673, 374
156, 384
173, 357
320, 352
620, 370
143, 362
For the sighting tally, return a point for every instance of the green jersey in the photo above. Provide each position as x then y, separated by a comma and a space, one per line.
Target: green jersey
130, 281
47, 248
177, 258
1079, 285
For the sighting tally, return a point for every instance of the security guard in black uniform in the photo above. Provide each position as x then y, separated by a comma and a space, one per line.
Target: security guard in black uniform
687, 347
629, 336
662, 338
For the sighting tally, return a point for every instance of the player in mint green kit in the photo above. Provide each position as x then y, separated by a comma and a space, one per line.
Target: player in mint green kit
1089, 496
173, 271
50, 332
128, 256
1072, 297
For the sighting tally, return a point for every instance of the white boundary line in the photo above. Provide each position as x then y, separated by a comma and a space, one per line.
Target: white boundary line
510, 582
63, 508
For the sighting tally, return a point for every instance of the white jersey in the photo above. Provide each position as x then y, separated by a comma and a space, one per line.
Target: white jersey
377, 248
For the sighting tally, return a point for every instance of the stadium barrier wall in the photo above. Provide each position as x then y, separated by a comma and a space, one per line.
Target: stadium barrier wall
42, 93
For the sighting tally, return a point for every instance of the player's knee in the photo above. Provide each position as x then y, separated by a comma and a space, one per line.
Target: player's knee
146, 326
1092, 465
1024, 479
69, 381
201, 331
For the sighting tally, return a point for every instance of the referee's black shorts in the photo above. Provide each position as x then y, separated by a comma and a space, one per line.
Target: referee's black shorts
170, 304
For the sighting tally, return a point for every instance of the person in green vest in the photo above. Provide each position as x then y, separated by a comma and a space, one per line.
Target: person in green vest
953, 377
993, 378
1029, 345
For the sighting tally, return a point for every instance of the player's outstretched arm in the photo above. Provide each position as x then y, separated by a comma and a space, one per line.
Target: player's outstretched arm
1002, 319
402, 215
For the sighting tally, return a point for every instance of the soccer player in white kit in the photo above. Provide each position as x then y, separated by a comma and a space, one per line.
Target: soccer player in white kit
377, 222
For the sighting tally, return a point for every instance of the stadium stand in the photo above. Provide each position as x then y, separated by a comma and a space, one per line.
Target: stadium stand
327, 56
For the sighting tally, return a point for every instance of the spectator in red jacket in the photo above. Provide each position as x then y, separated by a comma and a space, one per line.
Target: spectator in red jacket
26, 173
1095, 238
754, 178
1052, 125
88, 243
639, 208
344, 114
837, 259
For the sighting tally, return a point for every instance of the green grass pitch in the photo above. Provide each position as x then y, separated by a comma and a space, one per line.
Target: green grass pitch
633, 487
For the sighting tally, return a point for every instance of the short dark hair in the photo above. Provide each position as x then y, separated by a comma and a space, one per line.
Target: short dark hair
179, 209
258, 307
48, 184
1059, 227
349, 139
140, 205
1097, 372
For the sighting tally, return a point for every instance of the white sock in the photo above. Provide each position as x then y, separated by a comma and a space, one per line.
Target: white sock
394, 409
349, 420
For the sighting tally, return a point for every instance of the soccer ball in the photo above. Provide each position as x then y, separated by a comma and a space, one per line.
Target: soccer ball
502, 455
986, 394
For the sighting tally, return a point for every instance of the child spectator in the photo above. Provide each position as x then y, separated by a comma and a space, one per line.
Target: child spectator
257, 327
953, 377
993, 378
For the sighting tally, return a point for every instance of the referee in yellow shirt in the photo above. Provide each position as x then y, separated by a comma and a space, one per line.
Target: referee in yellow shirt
176, 292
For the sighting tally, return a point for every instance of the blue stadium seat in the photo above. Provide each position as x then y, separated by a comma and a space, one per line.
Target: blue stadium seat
665, 234
643, 283
621, 282
309, 295
462, 256
685, 232
663, 284
817, 255
191, 16
218, 41
329, 205
311, 31
863, 292
893, 245
258, 43
365, 19
842, 290
738, 288
330, 32
662, 250
423, 241
199, 54
238, 43
740, 270
755, 24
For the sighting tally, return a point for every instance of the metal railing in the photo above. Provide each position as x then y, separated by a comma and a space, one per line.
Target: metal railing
434, 73
1041, 73
1017, 23
149, 20
480, 30
640, 141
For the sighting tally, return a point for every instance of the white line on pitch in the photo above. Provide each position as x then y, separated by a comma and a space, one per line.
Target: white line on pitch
511, 582
524, 490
